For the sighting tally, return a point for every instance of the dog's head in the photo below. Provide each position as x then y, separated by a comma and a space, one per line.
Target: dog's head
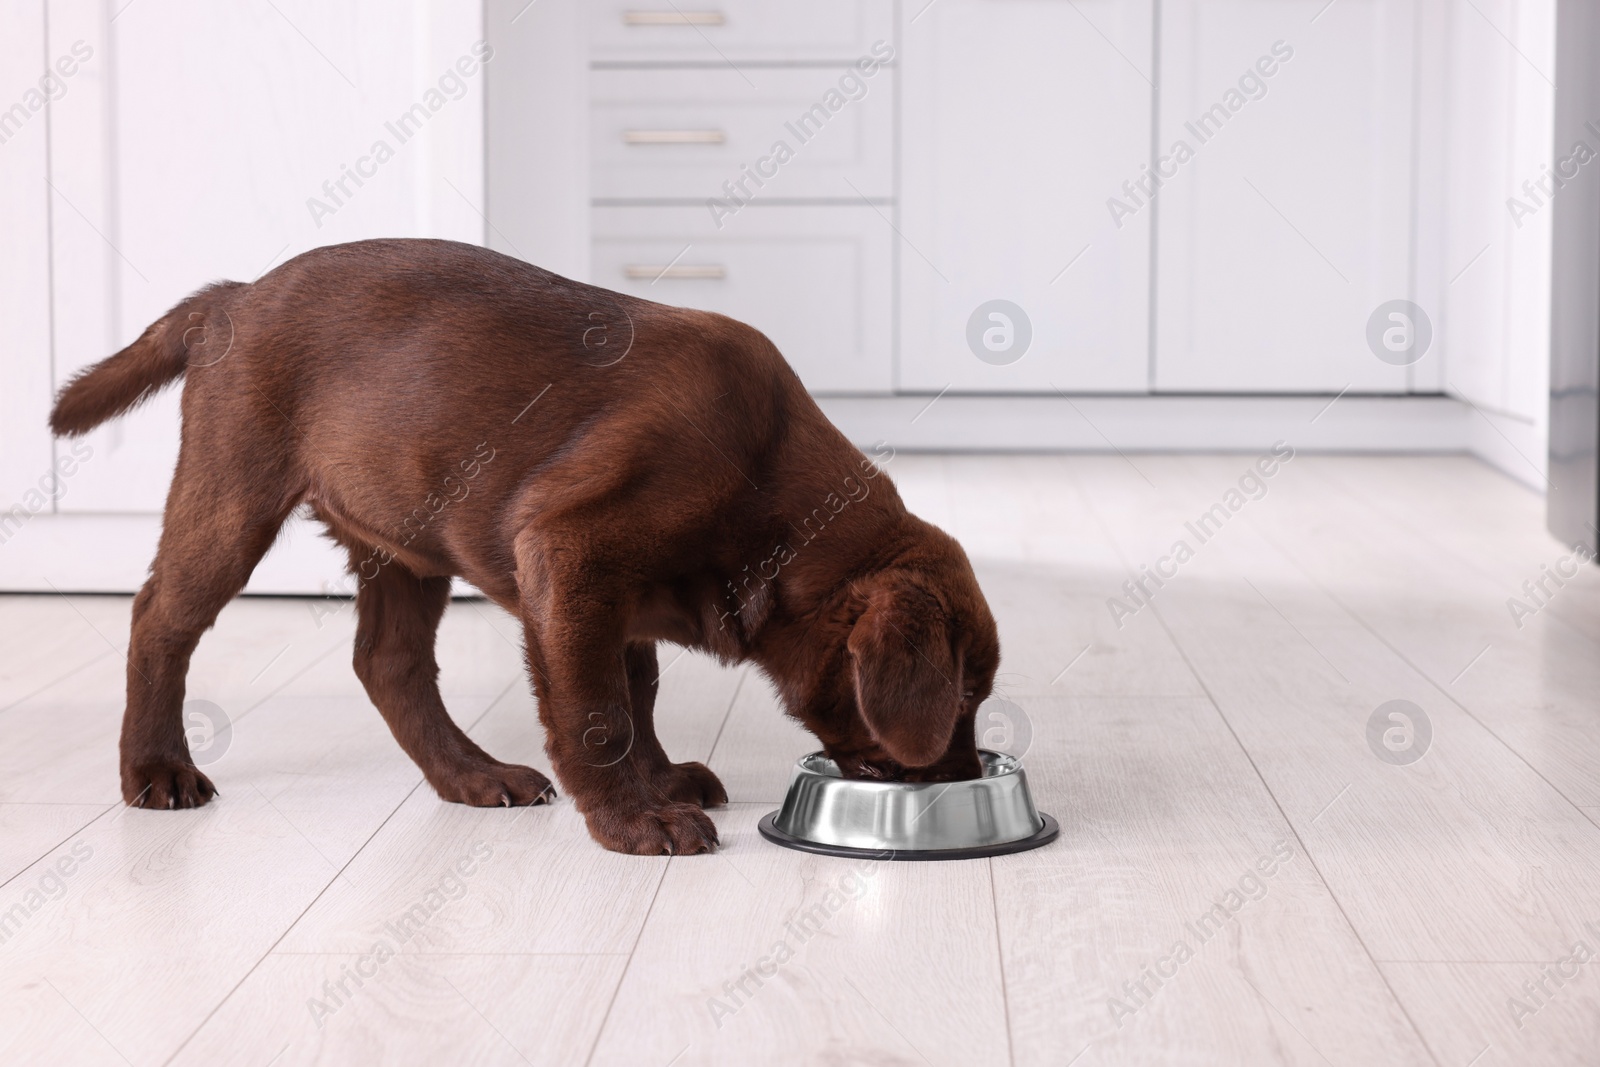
919, 658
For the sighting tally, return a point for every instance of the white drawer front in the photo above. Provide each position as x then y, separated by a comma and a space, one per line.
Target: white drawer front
729, 31
702, 133
816, 280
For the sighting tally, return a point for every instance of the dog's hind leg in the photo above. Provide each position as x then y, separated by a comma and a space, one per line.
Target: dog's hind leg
397, 617
221, 518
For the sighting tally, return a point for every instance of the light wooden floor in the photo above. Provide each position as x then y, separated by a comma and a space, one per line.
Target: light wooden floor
1225, 722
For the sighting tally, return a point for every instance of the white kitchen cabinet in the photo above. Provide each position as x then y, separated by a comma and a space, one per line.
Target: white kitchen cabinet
814, 279
1019, 121
1292, 221
726, 176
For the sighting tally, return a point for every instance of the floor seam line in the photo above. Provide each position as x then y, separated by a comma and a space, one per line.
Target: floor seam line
1194, 672
605, 1019
31, 864
1421, 673
287, 682
1316, 868
287, 930
52, 684
727, 714
1000, 956
491, 705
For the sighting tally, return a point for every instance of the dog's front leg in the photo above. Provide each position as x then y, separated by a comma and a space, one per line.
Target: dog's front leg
692, 783
602, 754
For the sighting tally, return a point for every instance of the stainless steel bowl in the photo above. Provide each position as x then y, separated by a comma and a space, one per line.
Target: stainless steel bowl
827, 813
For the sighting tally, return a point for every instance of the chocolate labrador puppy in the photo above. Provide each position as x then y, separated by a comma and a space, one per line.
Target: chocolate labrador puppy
611, 471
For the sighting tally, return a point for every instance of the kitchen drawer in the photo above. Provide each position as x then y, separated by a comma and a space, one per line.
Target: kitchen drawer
682, 133
816, 280
724, 32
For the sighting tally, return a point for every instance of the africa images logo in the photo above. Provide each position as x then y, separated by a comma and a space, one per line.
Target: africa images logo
208, 730
1399, 332
1399, 732
999, 332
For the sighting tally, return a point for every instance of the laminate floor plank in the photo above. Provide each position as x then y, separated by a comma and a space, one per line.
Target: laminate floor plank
29, 831
808, 959
378, 1007
1506, 1014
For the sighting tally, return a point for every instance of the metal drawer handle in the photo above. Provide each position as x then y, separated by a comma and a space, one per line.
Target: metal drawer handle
674, 18
674, 136
710, 272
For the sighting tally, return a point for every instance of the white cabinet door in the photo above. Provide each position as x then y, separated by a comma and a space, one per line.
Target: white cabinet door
1019, 120
1285, 220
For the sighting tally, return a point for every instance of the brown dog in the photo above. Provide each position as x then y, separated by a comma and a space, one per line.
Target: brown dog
611, 471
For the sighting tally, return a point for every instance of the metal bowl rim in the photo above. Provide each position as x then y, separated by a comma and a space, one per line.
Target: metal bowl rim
1002, 764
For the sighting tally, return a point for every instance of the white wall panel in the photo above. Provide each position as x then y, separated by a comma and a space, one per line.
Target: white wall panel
1498, 118
1527, 372
25, 449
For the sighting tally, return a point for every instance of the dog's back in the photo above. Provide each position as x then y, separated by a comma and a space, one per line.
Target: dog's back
363, 376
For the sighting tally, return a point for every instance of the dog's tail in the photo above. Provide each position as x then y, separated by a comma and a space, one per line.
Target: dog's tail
183, 337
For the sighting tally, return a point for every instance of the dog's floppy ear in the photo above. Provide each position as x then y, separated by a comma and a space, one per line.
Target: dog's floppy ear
907, 682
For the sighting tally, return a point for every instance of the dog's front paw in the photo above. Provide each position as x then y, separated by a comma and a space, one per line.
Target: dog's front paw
165, 783
494, 785
672, 829
691, 783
